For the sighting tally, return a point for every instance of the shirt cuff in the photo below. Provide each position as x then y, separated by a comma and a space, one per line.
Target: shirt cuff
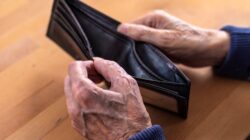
153, 133
237, 61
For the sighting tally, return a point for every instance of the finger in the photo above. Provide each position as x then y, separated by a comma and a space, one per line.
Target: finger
71, 103
158, 19
108, 69
147, 20
91, 97
77, 70
74, 108
84, 90
80, 69
120, 81
158, 37
92, 73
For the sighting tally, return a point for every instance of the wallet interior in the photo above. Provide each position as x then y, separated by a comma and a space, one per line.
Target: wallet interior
93, 34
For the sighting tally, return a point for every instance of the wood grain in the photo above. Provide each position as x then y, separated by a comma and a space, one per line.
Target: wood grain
32, 70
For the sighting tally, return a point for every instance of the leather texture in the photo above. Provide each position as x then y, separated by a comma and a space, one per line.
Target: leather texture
85, 33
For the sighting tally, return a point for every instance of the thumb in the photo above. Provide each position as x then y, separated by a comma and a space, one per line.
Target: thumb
158, 37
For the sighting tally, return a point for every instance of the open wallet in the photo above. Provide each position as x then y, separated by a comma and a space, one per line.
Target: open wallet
84, 33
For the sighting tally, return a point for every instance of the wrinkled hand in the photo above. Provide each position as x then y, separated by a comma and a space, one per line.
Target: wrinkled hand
181, 41
99, 114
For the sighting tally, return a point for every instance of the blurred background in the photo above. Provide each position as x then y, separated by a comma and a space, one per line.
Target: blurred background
32, 70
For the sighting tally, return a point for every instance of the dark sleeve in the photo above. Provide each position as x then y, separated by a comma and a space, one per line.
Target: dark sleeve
153, 133
237, 61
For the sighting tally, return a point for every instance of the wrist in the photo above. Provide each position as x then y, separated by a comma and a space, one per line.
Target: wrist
132, 131
219, 44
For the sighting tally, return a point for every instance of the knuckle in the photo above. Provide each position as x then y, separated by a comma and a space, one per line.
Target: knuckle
144, 31
131, 79
141, 33
180, 25
116, 67
73, 64
121, 80
169, 39
78, 87
83, 91
74, 113
112, 63
137, 34
102, 61
192, 31
158, 12
75, 124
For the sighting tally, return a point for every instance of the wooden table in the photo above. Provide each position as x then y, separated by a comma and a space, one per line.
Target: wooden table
32, 69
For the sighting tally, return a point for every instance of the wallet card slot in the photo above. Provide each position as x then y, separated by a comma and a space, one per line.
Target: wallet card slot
60, 15
68, 29
72, 34
61, 37
63, 8
163, 91
178, 88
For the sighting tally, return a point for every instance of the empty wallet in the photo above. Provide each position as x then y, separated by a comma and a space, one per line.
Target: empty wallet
84, 33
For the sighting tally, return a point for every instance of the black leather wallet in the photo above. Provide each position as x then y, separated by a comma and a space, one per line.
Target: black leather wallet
84, 33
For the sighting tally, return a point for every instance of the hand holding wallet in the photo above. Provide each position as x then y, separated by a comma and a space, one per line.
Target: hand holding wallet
85, 33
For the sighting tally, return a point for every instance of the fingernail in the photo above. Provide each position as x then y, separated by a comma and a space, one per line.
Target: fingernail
97, 58
123, 28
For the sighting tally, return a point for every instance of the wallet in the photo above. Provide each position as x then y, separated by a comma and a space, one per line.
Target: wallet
84, 33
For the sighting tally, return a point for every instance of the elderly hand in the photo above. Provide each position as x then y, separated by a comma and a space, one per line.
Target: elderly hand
99, 114
181, 41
